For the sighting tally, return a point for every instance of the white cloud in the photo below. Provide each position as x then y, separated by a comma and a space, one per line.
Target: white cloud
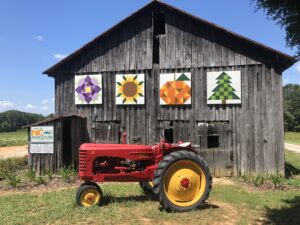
45, 101
6, 104
29, 106
59, 56
38, 38
45, 107
53, 100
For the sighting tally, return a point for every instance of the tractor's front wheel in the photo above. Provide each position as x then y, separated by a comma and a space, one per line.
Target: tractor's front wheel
182, 181
89, 194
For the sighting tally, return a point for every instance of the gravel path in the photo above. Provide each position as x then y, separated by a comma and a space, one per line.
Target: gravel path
292, 147
14, 151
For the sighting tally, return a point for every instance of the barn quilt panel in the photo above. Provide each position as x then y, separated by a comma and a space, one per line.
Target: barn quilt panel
224, 87
130, 89
88, 89
175, 89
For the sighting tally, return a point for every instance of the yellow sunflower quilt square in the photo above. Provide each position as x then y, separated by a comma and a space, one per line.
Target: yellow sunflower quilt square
130, 89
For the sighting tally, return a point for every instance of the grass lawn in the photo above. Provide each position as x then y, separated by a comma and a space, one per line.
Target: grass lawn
229, 203
127, 205
17, 138
292, 137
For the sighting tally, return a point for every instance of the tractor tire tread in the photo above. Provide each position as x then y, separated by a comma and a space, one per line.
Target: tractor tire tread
160, 173
84, 186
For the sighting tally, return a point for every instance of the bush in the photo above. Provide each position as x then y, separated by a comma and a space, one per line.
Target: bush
67, 173
276, 180
50, 175
258, 180
31, 175
13, 179
245, 178
40, 180
11, 165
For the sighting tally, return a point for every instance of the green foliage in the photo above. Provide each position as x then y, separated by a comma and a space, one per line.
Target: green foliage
291, 107
12, 179
258, 180
31, 175
13, 120
245, 178
276, 180
50, 175
287, 15
12, 164
67, 173
40, 180
17, 138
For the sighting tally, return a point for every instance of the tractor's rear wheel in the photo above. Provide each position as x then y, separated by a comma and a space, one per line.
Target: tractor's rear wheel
147, 187
182, 181
89, 194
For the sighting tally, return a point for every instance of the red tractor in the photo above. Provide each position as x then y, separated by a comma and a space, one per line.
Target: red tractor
173, 172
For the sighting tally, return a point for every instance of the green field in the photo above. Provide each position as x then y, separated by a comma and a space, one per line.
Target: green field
233, 203
292, 137
17, 138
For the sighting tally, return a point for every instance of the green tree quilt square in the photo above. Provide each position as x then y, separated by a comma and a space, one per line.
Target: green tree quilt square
224, 87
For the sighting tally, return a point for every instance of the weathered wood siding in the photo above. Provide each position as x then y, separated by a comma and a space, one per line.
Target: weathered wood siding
53, 162
128, 48
254, 135
188, 45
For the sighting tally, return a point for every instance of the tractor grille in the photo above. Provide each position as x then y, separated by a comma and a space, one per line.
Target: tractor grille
82, 160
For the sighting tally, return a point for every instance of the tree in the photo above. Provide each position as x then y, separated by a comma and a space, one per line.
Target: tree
224, 91
13, 120
287, 14
291, 107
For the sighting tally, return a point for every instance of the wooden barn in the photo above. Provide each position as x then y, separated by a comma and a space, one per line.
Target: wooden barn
163, 73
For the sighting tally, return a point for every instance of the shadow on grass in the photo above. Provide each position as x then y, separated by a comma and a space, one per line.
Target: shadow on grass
290, 170
108, 199
286, 215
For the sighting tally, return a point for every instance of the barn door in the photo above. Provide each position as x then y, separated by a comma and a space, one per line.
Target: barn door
215, 145
66, 142
107, 132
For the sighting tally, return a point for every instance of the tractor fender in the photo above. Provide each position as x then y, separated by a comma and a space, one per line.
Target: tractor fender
179, 148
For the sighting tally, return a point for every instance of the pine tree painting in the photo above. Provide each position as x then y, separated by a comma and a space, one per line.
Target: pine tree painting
224, 92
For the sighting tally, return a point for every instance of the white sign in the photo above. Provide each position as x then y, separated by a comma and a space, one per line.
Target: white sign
43, 148
224, 87
41, 140
43, 134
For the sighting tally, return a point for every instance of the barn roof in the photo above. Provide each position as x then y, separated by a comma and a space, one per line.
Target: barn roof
49, 120
285, 59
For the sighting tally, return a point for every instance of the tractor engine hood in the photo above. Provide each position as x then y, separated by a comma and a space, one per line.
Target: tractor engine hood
128, 151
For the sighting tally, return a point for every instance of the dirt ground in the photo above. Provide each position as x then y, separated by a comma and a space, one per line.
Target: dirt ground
14, 151
292, 147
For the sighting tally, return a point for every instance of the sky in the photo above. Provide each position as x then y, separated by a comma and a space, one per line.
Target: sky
37, 34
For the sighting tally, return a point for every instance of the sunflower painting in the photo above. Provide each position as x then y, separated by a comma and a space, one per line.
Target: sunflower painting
130, 89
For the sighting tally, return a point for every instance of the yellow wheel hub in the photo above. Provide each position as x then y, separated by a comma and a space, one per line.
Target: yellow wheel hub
151, 183
90, 197
184, 183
